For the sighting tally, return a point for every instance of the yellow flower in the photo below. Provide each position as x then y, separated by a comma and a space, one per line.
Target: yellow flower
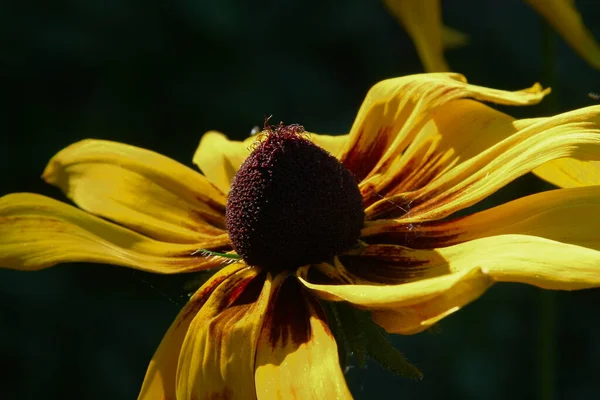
421, 148
422, 20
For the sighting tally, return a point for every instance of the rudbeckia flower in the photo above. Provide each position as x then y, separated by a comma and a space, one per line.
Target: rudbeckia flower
305, 221
422, 19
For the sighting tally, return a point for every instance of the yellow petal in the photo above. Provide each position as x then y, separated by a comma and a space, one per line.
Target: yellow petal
377, 296
37, 232
567, 21
395, 110
140, 189
509, 258
297, 355
422, 19
574, 134
457, 132
453, 38
564, 172
217, 356
220, 158
564, 215
568, 172
414, 319
159, 382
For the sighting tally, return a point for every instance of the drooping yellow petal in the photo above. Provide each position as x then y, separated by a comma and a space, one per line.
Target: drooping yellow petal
37, 232
217, 356
220, 158
563, 215
377, 296
567, 21
160, 379
457, 132
297, 355
140, 189
574, 134
509, 258
418, 317
422, 19
395, 110
568, 172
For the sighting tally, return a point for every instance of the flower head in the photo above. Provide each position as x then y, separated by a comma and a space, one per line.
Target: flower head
311, 220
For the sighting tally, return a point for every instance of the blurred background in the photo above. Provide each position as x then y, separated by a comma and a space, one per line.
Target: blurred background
157, 74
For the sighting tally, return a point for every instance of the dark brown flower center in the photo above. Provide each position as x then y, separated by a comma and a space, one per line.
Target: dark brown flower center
292, 203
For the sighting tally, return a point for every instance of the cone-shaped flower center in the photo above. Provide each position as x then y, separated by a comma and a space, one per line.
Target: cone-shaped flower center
292, 203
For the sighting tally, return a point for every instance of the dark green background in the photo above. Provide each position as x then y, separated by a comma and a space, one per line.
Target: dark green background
158, 74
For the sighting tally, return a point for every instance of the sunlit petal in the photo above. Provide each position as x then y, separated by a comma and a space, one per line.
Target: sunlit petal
159, 382
218, 352
421, 316
37, 232
458, 131
574, 134
297, 355
563, 215
395, 110
140, 189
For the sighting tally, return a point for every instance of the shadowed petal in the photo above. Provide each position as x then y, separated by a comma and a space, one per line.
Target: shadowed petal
395, 110
563, 215
297, 355
220, 158
217, 355
37, 232
159, 382
566, 20
422, 19
573, 134
140, 189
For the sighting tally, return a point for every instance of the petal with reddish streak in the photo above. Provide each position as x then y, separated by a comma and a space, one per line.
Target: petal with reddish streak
508, 258
297, 356
38, 232
159, 382
568, 172
218, 353
457, 132
573, 134
563, 215
395, 110
140, 189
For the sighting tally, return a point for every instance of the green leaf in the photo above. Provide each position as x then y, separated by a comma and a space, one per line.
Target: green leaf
365, 338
